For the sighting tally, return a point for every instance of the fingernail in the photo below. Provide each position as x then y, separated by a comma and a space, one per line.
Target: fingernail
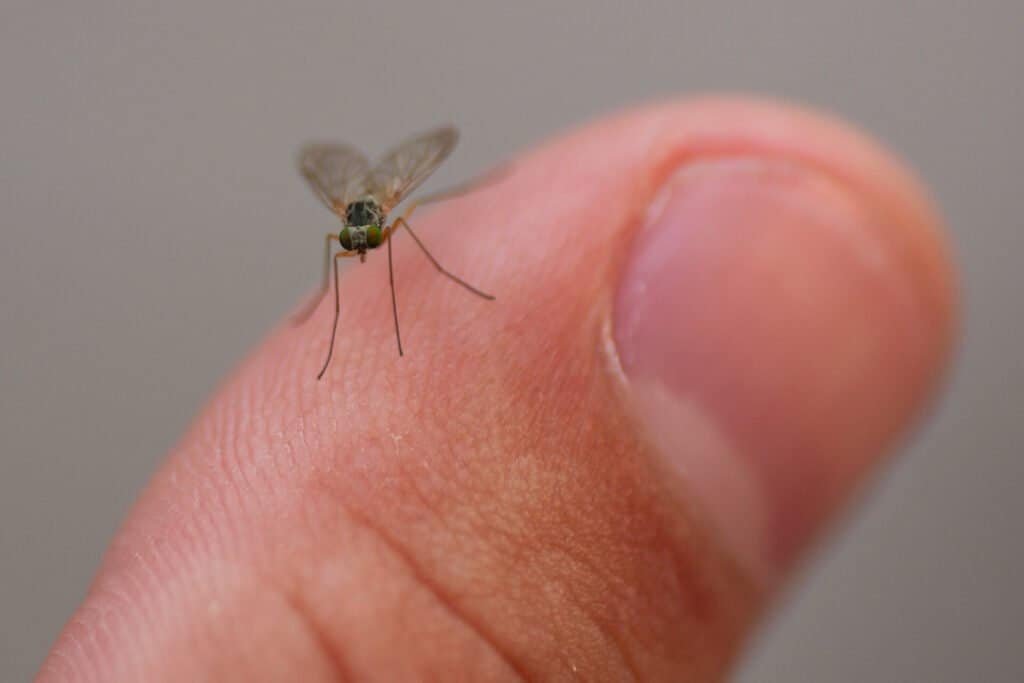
749, 327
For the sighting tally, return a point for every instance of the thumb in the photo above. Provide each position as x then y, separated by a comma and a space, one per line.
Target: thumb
712, 318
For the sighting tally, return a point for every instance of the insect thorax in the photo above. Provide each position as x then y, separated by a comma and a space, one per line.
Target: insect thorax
362, 212
363, 220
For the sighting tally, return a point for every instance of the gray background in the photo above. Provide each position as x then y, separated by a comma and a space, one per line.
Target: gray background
153, 228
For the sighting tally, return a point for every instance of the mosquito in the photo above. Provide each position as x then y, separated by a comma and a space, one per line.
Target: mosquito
364, 196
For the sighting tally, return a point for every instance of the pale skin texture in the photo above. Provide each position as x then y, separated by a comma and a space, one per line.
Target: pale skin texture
493, 506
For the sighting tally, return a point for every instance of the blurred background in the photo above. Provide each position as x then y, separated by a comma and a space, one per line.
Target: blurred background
152, 228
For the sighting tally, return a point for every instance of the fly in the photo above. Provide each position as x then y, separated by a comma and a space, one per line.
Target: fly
363, 197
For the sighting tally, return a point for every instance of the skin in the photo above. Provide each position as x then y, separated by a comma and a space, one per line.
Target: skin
512, 499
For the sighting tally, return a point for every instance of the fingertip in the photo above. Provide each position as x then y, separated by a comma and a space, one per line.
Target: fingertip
498, 470
786, 309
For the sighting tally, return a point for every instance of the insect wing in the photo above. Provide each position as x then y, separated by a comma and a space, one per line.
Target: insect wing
338, 174
404, 168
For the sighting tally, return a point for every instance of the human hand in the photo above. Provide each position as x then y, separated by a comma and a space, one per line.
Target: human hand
712, 319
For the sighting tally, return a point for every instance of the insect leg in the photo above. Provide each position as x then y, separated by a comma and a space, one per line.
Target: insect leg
394, 301
304, 314
327, 260
433, 260
337, 308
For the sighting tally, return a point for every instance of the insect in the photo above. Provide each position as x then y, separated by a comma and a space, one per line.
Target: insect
364, 196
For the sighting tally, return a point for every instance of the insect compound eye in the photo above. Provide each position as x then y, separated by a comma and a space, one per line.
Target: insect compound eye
345, 237
373, 237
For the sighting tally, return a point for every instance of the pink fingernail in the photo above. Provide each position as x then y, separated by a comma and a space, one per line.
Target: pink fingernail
746, 271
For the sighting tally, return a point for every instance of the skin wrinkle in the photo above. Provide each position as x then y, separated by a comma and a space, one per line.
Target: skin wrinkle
134, 616
85, 639
137, 583
203, 640
417, 491
165, 539
331, 650
421, 579
532, 550
82, 634
591, 612
60, 662
217, 507
296, 642
127, 618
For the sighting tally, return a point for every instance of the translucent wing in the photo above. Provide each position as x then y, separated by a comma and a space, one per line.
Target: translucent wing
338, 174
402, 169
